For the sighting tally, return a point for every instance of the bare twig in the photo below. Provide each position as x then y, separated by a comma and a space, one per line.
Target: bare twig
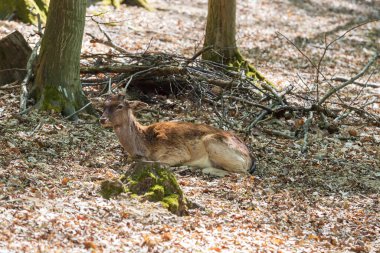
250, 103
360, 74
275, 94
327, 46
107, 42
369, 85
257, 119
29, 67
29, 74
279, 133
81, 109
198, 53
10, 86
306, 127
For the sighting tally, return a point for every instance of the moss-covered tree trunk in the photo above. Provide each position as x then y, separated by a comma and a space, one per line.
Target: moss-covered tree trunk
57, 84
221, 36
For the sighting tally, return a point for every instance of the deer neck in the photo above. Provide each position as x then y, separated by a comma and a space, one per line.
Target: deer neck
131, 135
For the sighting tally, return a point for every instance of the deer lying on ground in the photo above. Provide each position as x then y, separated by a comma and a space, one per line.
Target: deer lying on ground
216, 151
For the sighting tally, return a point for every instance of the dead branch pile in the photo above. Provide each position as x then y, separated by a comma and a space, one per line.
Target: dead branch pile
240, 101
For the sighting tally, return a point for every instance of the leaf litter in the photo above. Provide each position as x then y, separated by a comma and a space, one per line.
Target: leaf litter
324, 201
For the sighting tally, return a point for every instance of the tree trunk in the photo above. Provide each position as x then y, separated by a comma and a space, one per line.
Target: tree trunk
14, 55
57, 84
221, 31
220, 34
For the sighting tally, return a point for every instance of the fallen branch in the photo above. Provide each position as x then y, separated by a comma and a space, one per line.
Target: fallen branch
279, 133
250, 103
273, 92
350, 81
107, 42
9, 86
199, 53
24, 83
343, 79
132, 69
76, 112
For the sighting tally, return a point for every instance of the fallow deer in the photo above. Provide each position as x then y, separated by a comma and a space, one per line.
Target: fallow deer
216, 151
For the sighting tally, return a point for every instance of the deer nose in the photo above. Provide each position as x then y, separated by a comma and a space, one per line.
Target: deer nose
103, 120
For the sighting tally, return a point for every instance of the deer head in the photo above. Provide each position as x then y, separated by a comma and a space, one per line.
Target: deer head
119, 111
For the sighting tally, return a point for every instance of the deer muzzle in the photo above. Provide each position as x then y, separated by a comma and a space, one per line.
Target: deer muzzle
105, 122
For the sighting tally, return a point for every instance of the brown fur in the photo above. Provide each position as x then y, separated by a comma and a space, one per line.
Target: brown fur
175, 143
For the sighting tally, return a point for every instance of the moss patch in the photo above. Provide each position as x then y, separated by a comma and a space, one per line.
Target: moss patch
22, 9
156, 183
150, 181
110, 189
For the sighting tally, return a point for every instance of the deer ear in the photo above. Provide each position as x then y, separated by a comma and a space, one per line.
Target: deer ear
137, 105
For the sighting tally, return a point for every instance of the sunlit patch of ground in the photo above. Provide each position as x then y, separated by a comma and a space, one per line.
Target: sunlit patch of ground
327, 200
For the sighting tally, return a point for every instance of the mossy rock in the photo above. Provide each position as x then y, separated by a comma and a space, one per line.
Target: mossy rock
156, 183
150, 181
110, 189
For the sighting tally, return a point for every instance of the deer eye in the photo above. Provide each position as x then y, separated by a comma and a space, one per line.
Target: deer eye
120, 106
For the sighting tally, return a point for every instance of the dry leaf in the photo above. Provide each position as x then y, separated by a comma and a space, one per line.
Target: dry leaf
149, 241
89, 245
312, 237
65, 180
81, 217
353, 132
299, 123
277, 241
166, 236
217, 249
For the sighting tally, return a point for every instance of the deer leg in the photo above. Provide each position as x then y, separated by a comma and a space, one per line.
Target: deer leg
215, 172
226, 153
173, 157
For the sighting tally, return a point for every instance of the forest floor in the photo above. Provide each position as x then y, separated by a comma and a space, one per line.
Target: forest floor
327, 200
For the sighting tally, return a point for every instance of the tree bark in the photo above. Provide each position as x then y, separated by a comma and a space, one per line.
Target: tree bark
57, 84
14, 55
221, 32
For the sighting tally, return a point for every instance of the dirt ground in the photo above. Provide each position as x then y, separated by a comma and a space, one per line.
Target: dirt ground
324, 201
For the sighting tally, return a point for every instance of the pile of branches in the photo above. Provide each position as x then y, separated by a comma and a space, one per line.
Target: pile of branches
235, 95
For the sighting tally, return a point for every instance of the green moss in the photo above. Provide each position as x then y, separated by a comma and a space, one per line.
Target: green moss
114, 3
22, 9
156, 193
110, 189
250, 70
53, 100
171, 202
140, 3
151, 182
156, 183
